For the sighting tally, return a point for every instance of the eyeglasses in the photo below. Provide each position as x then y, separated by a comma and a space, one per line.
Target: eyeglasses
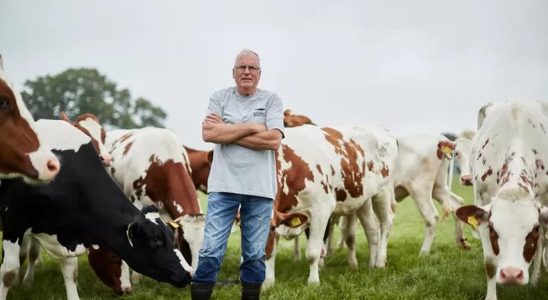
242, 68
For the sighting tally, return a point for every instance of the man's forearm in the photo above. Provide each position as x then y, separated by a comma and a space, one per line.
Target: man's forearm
267, 140
222, 133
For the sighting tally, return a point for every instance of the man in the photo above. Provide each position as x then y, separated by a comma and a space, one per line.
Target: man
246, 124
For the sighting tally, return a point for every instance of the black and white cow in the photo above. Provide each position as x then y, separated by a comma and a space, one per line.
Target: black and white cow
83, 207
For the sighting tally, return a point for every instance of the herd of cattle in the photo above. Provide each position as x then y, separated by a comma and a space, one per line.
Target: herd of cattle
146, 215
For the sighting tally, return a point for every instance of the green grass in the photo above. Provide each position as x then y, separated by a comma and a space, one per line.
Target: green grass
447, 273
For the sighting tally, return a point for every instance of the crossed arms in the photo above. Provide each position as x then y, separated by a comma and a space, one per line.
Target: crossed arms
249, 135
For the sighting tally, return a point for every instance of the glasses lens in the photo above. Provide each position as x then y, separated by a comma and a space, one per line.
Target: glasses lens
251, 68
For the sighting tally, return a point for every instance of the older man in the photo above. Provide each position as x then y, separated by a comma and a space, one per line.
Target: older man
246, 124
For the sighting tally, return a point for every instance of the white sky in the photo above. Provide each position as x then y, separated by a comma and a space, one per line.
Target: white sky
422, 66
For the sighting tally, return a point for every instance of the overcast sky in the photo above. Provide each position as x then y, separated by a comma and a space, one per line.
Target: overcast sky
413, 66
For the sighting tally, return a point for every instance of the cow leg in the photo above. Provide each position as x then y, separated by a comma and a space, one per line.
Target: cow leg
451, 202
537, 260
270, 264
10, 266
382, 206
125, 283
69, 268
490, 272
349, 234
33, 255
296, 249
371, 227
330, 237
318, 225
342, 224
426, 207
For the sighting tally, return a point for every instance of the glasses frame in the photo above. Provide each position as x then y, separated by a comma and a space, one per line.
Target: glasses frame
243, 68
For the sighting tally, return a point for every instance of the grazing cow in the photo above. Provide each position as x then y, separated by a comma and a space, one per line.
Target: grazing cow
510, 180
22, 151
326, 170
150, 166
422, 172
462, 155
81, 208
200, 165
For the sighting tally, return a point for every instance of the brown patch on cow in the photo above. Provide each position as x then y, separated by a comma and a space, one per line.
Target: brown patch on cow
295, 178
107, 266
494, 237
170, 184
490, 269
127, 147
325, 186
535, 152
370, 165
539, 164
384, 171
319, 168
112, 170
526, 181
489, 172
531, 123
293, 120
332, 171
531, 241
271, 241
200, 164
9, 278
352, 173
340, 194
485, 144
125, 137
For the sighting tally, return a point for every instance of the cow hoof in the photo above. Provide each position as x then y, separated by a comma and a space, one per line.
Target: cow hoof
313, 281
465, 245
267, 284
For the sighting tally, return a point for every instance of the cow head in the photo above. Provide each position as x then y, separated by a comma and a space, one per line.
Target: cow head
463, 151
293, 120
156, 256
509, 230
189, 235
22, 153
288, 225
89, 124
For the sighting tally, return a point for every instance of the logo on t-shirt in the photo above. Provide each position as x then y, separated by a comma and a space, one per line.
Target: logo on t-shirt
259, 112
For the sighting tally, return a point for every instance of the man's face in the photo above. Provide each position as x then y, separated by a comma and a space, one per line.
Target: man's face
246, 73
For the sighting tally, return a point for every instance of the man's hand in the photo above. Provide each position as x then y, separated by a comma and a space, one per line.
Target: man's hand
215, 130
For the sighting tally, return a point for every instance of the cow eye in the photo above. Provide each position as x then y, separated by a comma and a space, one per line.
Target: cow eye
4, 103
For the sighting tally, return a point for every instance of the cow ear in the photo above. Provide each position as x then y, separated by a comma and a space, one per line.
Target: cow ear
483, 113
149, 209
294, 220
472, 215
64, 117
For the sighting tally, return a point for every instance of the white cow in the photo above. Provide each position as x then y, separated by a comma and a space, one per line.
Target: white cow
510, 180
325, 171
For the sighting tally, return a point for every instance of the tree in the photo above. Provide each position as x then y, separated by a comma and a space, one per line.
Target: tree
79, 91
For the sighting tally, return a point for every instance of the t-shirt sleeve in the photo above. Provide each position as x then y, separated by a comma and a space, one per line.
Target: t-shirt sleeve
274, 115
214, 105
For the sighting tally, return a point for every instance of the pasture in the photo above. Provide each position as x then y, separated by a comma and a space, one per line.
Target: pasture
447, 273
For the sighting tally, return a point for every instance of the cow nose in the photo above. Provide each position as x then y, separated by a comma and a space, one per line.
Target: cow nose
511, 275
106, 159
466, 180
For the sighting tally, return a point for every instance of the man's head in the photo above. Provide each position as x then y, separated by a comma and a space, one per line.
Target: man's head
247, 72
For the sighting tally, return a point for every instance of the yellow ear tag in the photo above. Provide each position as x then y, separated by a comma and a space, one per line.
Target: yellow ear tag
295, 221
473, 222
447, 151
174, 224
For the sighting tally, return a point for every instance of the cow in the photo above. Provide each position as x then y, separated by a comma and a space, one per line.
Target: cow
150, 166
89, 124
462, 155
81, 208
23, 152
510, 182
200, 165
325, 171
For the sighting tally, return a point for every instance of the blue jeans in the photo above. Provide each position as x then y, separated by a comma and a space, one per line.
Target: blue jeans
255, 214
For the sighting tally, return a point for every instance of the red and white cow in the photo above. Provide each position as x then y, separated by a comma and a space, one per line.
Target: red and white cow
150, 166
22, 151
200, 165
508, 159
90, 125
325, 171
463, 150
293, 120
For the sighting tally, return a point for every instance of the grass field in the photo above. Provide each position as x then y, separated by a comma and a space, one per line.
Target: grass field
447, 273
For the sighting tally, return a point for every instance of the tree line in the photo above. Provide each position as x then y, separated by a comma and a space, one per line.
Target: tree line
85, 90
